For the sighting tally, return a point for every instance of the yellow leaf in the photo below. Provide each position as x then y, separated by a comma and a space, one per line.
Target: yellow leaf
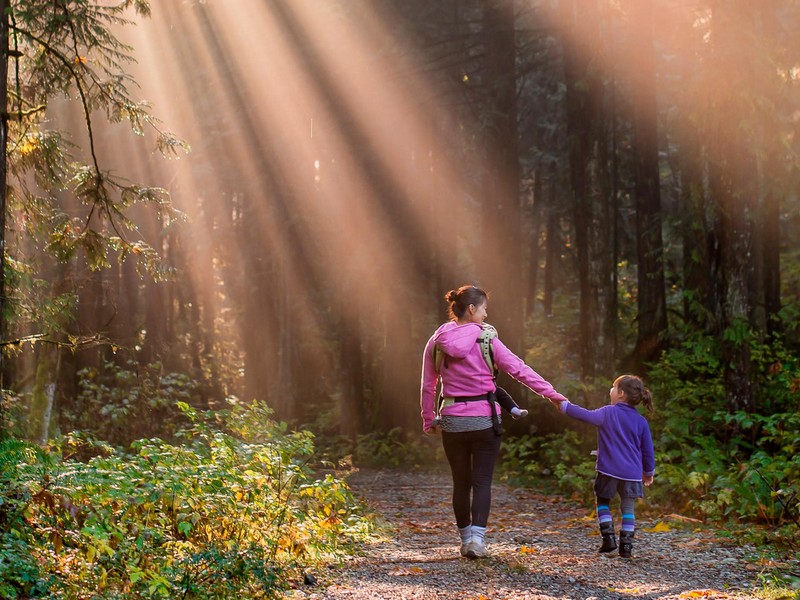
659, 527
80, 60
28, 145
527, 550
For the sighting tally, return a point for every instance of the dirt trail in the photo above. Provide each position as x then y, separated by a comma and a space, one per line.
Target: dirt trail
540, 548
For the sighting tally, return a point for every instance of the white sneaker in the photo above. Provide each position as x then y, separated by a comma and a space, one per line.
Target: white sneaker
476, 548
464, 549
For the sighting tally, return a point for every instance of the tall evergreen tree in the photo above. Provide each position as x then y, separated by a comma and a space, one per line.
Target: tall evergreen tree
54, 49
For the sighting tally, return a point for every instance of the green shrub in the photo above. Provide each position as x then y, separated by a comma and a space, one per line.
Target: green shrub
233, 512
557, 462
122, 403
722, 464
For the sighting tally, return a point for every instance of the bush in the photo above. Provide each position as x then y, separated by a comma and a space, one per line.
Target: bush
133, 401
233, 512
556, 462
724, 464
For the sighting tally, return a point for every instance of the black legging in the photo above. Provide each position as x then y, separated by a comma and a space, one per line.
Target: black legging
472, 455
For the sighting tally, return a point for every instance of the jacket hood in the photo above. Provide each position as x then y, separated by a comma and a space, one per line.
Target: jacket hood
457, 340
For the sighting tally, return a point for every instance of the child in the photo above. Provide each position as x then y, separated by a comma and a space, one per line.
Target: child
625, 456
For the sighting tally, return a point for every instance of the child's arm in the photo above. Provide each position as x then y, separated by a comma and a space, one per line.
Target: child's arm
593, 417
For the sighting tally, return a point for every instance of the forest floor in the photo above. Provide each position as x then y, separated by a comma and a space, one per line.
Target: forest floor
541, 547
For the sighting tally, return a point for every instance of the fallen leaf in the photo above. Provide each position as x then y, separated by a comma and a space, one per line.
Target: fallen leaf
677, 517
705, 594
659, 527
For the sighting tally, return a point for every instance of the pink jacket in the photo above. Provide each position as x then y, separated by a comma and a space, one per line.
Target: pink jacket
465, 372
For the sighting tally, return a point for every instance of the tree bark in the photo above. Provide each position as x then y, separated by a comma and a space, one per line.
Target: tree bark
734, 194
553, 244
772, 176
652, 312
3, 190
590, 194
536, 212
499, 249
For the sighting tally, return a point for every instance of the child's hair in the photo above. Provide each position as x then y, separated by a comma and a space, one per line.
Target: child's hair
459, 300
635, 391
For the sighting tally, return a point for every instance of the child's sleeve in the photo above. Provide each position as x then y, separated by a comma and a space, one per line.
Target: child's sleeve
593, 417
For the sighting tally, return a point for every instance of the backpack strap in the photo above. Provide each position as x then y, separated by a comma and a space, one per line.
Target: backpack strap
438, 358
485, 340
488, 333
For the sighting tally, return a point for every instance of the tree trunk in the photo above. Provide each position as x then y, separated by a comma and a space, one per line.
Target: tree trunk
533, 242
734, 194
553, 243
772, 177
499, 250
590, 194
40, 417
652, 312
3, 191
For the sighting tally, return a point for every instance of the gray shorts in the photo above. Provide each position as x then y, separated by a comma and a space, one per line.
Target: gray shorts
606, 486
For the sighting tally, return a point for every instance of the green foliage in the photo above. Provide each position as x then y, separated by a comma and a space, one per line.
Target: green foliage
710, 462
391, 449
122, 403
722, 464
62, 202
395, 449
234, 512
558, 462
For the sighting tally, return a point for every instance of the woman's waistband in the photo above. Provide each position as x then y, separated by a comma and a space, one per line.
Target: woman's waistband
471, 398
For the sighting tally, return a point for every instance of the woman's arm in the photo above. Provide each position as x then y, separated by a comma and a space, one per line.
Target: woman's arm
510, 363
427, 393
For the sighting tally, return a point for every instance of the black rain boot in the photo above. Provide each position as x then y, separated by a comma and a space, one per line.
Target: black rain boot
625, 543
609, 539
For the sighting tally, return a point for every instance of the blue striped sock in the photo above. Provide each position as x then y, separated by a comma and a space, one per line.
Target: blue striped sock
628, 518
604, 514
628, 523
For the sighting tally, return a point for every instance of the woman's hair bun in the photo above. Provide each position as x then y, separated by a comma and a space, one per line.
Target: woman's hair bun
451, 296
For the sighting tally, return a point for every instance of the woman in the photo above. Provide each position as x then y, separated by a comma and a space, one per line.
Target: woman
468, 410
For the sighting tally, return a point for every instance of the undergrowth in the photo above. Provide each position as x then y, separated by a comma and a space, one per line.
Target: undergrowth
235, 511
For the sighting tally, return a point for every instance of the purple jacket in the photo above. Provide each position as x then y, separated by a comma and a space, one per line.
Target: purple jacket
465, 372
624, 444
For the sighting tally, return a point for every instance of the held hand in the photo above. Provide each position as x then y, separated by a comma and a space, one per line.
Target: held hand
556, 402
647, 480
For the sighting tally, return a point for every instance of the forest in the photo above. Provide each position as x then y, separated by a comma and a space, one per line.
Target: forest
228, 229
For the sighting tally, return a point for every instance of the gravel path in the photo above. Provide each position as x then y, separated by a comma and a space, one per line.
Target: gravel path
540, 548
